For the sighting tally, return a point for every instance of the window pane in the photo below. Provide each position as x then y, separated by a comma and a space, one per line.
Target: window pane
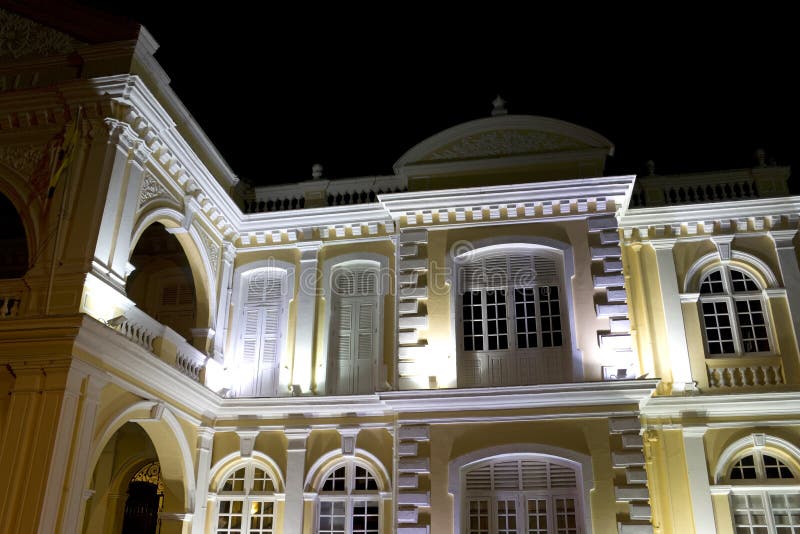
471, 320
365, 517
566, 516
526, 317
550, 320
749, 514
332, 517
719, 336
335, 481
506, 516
478, 516
537, 516
496, 319
752, 326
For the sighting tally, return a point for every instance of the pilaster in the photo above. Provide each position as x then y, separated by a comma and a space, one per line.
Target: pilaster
306, 302
295, 479
205, 443
673, 317
790, 273
697, 473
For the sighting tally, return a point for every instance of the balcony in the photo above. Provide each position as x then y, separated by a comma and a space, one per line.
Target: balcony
162, 341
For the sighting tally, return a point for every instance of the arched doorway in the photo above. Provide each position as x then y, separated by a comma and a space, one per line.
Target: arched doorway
13, 241
162, 285
145, 500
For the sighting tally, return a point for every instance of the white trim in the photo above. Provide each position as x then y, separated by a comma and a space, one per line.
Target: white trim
334, 458
235, 460
581, 462
343, 261
711, 261
746, 443
756, 405
566, 270
281, 268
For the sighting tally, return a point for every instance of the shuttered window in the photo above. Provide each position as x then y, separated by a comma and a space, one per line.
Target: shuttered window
511, 307
522, 496
262, 314
354, 325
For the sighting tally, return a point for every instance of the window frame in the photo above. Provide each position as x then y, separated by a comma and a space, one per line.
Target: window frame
242, 276
730, 298
560, 254
521, 497
349, 496
247, 496
758, 445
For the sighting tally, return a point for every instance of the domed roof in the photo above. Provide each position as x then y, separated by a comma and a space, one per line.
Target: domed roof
505, 136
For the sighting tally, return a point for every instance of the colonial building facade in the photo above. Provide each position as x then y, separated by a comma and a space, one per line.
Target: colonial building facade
494, 339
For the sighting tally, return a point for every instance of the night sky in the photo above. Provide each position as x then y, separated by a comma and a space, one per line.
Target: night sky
355, 90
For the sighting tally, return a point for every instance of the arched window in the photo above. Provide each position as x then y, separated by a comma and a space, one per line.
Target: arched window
246, 502
734, 313
525, 495
262, 319
512, 317
349, 500
355, 320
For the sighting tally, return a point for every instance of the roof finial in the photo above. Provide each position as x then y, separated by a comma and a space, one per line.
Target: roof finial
651, 167
499, 106
761, 157
316, 171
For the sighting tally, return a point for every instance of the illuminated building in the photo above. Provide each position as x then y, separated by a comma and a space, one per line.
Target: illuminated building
495, 338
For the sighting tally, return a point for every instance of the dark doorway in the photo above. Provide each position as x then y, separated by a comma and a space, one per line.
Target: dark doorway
141, 509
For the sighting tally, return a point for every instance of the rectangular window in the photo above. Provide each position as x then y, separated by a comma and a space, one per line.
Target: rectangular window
719, 334
332, 517
478, 516
537, 516
752, 325
365, 517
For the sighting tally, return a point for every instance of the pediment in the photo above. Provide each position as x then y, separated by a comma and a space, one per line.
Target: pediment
21, 37
503, 136
507, 142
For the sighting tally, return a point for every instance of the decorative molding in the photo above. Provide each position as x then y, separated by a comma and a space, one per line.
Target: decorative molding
151, 189
22, 158
505, 142
20, 37
212, 250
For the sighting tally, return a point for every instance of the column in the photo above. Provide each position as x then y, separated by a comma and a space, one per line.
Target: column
205, 443
295, 480
306, 303
790, 273
74, 486
673, 316
225, 293
697, 473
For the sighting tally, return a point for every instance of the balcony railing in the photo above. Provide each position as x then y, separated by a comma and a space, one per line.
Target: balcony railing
726, 373
699, 188
162, 341
11, 295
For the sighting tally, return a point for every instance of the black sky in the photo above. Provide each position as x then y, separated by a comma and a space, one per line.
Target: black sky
277, 91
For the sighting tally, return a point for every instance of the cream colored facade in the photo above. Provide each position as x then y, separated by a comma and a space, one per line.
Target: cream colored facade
496, 338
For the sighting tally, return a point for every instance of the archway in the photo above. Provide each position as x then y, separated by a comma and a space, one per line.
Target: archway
162, 284
14, 261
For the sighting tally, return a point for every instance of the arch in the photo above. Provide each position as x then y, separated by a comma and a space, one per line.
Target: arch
745, 261
332, 459
532, 244
166, 434
783, 448
571, 135
380, 263
230, 462
582, 463
28, 206
205, 281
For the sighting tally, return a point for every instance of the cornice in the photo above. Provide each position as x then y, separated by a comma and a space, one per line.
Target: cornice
691, 221
756, 405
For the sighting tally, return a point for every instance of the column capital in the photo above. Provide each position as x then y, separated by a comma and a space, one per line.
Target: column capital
783, 238
694, 431
309, 250
663, 244
297, 437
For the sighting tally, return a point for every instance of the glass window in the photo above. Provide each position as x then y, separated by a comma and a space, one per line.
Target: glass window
349, 501
246, 502
734, 313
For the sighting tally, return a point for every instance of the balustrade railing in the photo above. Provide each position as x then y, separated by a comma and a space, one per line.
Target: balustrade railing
743, 373
11, 292
710, 187
143, 330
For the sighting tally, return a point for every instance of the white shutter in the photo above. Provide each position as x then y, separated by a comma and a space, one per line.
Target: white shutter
250, 336
534, 475
362, 367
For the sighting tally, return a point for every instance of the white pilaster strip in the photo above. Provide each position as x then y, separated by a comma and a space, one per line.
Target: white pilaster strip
302, 370
697, 471
295, 475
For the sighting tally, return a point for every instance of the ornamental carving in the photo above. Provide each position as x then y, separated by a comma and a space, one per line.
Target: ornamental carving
212, 249
151, 189
504, 143
22, 158
23, 37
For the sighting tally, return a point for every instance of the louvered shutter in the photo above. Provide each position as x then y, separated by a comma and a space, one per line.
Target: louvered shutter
250, 336
362, 380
